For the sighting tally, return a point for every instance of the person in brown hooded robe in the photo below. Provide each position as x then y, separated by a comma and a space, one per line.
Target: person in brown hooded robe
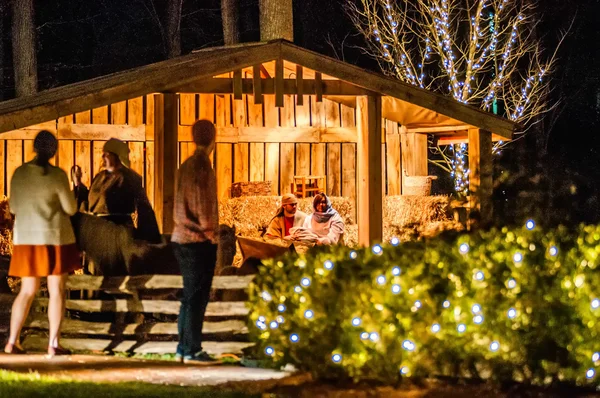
109, 236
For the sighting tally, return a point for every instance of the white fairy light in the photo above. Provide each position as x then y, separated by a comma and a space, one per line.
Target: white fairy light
479, 276
308, 314
281, 308
353, 255
374, 336
377, 249
381, 280
356, 321
417, 304
294, 338
274, 325
446, 304
404, 370
463, 248
553, 251
364, 336
266, 296
596, 357
305, 282
494, 346
511, 283
517, 257
396, 289
337, 358
395, 241
280, 319
328, 265
435, 327
261, 325
396, 271
461, 328
595, 303
298, 289
269, 350
408, 345
530, 224
590, 373
476, 309
478, 319
512, 313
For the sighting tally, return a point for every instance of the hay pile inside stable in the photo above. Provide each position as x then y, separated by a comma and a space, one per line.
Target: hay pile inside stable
6, 224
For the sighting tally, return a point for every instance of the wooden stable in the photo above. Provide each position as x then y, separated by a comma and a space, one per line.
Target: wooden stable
280, 110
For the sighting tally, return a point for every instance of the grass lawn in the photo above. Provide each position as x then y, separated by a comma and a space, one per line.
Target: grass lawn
15, 385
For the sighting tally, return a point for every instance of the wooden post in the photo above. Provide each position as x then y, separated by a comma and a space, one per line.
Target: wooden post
165, 158
481, 172
370, 196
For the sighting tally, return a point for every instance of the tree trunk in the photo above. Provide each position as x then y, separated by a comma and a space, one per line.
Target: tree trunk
173, 28
276, 20
230, 17
24, 48
2, 13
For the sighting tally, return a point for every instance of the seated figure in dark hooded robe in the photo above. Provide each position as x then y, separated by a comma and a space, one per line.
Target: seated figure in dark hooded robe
108, 235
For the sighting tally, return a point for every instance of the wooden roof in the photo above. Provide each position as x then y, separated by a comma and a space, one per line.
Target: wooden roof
168, 75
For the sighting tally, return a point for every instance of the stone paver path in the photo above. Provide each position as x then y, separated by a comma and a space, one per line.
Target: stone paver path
96, 368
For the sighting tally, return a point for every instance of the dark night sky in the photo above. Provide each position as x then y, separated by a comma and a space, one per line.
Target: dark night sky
80, 39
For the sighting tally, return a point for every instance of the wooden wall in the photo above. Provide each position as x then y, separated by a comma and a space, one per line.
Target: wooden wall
276, 156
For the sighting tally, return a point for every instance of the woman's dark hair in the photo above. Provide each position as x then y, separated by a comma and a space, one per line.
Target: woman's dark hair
320, 197
45, 146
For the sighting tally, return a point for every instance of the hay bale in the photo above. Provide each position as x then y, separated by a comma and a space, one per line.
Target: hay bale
405, 210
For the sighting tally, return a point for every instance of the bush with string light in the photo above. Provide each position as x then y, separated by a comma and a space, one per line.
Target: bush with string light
519, 304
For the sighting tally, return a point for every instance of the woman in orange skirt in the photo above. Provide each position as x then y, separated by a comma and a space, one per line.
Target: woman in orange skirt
44, 242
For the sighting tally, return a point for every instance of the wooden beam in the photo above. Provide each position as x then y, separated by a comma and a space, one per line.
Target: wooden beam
480, 175
74, 326
237, 84
369, 170
130, 283
299, 85
319, 86
440, 129
236, 135
222, 85
256, 85
461, 138
159, 77
403, 91
279, 83
165, 158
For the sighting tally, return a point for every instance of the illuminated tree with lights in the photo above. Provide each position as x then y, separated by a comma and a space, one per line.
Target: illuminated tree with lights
480, 52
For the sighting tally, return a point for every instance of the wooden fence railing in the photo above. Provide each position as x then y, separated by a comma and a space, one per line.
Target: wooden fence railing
131, 314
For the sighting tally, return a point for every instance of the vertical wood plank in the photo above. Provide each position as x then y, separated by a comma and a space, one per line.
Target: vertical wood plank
206, 105
317, 112
369, 170
4, 181
332, 113
239, 112
149, 120
481, 174
302, 159
97, 164
334, 177
286, 167
303, 112
272, 166
66, 159
257, 161
349, 170
136, 157
241, 166
279, 82
29, 152
14, 158
150, 181
135, 111
287, 112
394, 171
271, 112
118, 113
414, 153
83, 159
100, 115
224, 169
317, 161
83, 117
223, 110
187, 109
255, 112
257, 84
347, 116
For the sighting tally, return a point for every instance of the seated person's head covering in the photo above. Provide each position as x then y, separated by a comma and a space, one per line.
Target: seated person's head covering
119, 148
288, 199
329, 211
